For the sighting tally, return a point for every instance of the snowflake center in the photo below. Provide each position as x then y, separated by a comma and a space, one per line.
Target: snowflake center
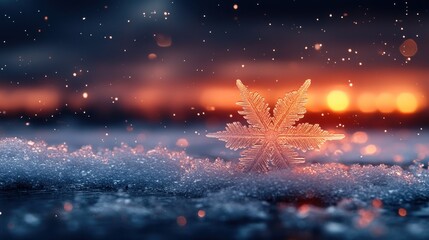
271, 135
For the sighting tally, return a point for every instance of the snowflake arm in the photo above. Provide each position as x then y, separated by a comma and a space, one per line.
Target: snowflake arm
255, 110
306, 136
255, 158
284, 156
238, 136
291, 107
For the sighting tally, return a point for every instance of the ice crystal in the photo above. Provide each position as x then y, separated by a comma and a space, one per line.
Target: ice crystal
270, 140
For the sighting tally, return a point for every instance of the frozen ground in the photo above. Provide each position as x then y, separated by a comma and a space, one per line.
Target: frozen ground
372, 185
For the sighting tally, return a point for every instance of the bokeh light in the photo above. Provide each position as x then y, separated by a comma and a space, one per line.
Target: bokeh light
162, 40
366, 103
181, 221
201, 213
370, 149
152, 56
408, 48
385, 102
402, 212
68, 207
337, 100
406, 102
359, 137
182, 142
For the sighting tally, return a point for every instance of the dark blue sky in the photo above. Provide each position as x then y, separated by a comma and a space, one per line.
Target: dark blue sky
76, 34
103, 47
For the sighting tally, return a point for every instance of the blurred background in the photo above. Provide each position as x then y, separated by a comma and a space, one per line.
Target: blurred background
101, 74
161, 63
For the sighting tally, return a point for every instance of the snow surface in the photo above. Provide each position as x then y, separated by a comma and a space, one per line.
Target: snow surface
51, 191
26, 164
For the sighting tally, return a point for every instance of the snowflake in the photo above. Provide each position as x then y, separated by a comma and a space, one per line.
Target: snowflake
270, 140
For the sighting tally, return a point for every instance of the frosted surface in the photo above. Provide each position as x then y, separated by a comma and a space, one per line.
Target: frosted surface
160, 193
27, 164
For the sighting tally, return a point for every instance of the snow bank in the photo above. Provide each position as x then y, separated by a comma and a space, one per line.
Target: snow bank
35, 165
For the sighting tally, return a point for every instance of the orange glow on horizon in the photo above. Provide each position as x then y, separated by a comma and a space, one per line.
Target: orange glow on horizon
366, 103
209, 98
381, 91
219, 97
385, 102
29, 99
